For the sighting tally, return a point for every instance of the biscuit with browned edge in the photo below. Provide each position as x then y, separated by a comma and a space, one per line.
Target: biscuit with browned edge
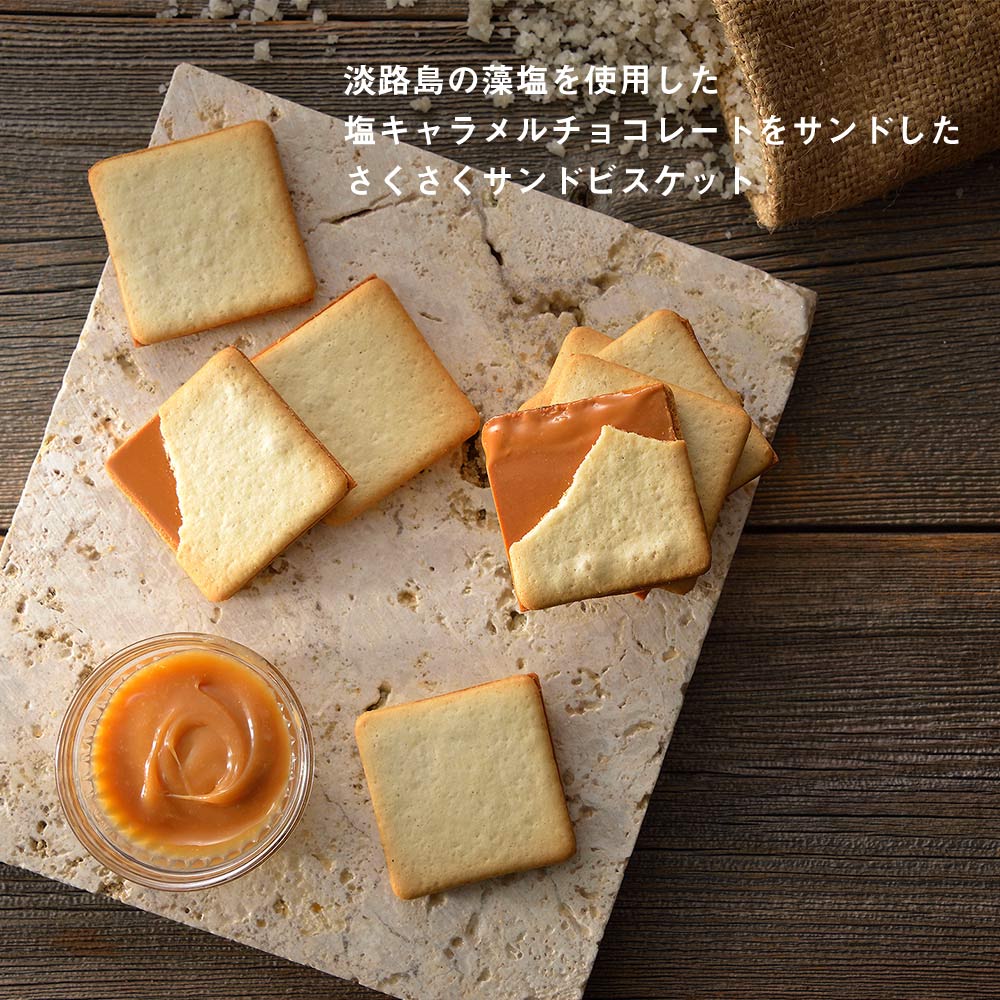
715, 433
465, 786
629, 521
250, 476
201, 232
368, 385
664, 346
579, 340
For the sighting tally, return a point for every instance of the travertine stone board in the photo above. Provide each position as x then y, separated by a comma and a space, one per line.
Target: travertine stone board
409, 600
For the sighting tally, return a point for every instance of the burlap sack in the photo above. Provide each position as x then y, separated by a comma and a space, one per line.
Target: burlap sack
851, 59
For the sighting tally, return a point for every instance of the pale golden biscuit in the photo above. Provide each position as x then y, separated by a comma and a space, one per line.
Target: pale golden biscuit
250, 476
630, 520
664, 345
201, 232
579, 340
715, 433
758, 456
367, 384
664, 339
465, 786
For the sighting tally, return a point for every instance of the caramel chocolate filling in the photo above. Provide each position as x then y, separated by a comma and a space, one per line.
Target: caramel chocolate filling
532, 455
191, 751
141, 469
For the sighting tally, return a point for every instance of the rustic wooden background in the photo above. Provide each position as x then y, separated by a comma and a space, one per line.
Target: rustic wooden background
825, 823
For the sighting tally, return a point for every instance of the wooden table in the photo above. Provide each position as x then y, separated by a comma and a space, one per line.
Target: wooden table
825, 823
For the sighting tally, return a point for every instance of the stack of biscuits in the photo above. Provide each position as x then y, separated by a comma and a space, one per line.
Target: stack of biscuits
642, 443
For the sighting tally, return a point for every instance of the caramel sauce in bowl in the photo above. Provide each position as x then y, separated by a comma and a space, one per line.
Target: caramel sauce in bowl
184, 761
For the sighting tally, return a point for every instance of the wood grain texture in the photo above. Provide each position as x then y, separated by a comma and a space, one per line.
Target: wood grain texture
825, 823
368, 10
825, 817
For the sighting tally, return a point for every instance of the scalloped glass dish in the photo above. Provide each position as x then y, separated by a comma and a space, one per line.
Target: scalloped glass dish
141, 859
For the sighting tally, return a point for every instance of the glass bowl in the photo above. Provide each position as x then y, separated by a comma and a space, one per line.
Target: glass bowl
161, 868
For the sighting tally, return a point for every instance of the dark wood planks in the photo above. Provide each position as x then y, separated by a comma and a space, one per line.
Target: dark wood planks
826, 820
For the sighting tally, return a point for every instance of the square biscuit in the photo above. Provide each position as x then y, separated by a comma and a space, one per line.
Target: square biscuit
250, 477
629, 521
662, 341
367, 384
664, 346
465, 786
201, 232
